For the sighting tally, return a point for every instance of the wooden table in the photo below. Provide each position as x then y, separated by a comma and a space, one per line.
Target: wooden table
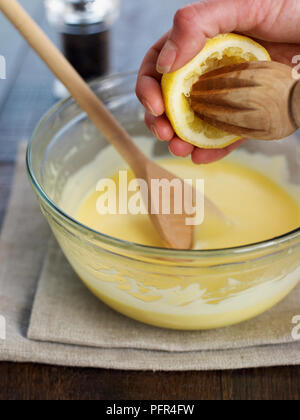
24, 97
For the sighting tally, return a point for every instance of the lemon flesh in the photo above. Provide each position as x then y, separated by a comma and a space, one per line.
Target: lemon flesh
220, 51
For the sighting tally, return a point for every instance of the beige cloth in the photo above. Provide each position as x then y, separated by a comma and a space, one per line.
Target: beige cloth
69, 326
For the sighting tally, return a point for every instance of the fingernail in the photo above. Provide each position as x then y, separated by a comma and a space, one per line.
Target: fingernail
149, 108
154, 131
167, 57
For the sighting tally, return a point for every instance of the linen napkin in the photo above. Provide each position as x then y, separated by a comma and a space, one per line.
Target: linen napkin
69, 326
65, 311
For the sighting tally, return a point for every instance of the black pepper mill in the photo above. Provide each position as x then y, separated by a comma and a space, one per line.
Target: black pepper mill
84, 28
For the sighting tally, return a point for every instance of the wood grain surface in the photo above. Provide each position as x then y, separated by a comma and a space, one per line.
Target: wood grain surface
56, 383
24, 97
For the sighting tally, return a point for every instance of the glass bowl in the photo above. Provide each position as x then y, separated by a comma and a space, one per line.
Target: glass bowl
188, 290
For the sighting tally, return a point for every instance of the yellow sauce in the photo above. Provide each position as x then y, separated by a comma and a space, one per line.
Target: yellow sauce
255, 206
259, 201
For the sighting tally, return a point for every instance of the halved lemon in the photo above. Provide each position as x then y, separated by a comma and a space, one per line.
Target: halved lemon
218, 52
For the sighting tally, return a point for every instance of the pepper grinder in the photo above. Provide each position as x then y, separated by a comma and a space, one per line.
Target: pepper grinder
84, 28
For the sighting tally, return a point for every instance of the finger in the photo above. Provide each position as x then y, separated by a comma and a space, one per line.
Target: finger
148, 82
160, 127
278, 21
203, 156
179, 147
149, 93
195, 23
283, 53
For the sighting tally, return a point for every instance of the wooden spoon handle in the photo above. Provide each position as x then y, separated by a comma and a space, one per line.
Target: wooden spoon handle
78, 88
296, 103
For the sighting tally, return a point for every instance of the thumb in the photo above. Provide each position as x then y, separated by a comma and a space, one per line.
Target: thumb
195, 23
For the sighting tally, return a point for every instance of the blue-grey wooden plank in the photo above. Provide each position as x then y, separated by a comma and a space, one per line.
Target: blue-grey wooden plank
141, 23
30, 97
13, 48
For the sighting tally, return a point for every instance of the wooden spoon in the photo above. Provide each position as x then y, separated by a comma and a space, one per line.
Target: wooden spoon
171, 227
260, 100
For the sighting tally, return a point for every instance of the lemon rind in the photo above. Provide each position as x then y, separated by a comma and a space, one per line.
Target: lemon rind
172, 87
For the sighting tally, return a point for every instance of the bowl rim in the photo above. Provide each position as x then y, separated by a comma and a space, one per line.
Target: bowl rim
266, 245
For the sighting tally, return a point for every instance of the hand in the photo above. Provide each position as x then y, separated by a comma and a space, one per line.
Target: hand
274, 23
